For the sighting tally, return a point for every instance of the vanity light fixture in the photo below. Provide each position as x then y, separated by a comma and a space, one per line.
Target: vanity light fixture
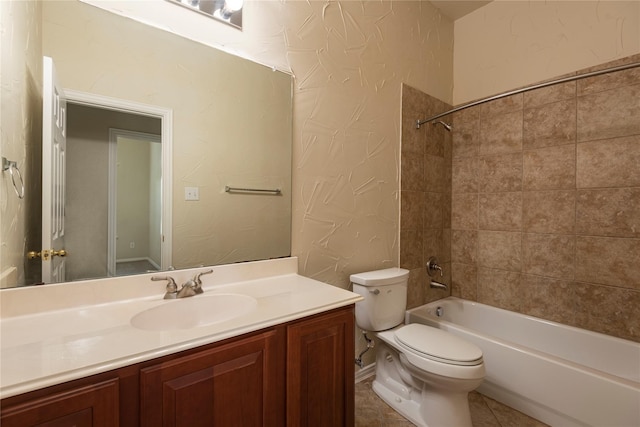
227, 11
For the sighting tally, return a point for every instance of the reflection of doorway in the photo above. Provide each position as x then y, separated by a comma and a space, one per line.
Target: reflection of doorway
93, 122
135, 202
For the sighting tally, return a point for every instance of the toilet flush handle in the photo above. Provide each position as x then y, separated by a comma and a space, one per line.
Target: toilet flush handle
375, 291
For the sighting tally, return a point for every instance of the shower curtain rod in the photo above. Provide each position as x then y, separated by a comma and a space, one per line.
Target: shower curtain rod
526, 89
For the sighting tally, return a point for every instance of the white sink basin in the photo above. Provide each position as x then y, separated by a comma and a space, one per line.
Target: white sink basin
193, 312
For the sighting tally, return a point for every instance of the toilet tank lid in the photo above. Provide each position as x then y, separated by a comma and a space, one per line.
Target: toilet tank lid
387, 276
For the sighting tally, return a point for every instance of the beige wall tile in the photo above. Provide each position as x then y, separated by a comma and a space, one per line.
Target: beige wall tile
464, 246
464, 281
413, 140
467, 115
550, 124
500, 249
609, 114
464, 214
500, 211
446, 245
550, 94
501, 134
552, 168
500, 173
465, 175
548, 298
508, 104
609, 310
411, 249
610, 80
609, 163
465, 138
412, 172
611, 212
436, 136
414, 101
446, 208
432, 214
549, 211
411, 209
423, 211
433, 245
434, 179
415, 288
500, 288
608, 260
550, 255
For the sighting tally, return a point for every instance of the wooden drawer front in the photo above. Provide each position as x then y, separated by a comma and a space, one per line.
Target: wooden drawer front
223, 386
94, 405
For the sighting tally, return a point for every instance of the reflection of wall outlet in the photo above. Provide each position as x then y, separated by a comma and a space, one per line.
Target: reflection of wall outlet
132, 245
191, 193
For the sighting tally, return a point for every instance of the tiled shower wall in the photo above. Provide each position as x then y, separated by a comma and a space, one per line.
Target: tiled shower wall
425, 208
545, 216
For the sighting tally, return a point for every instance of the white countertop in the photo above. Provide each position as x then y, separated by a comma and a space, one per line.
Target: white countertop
39, 349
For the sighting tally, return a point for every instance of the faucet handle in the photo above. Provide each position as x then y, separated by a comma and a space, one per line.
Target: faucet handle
432, 266
197, 282
172, 287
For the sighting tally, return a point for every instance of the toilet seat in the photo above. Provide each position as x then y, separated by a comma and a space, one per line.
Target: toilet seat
437, 345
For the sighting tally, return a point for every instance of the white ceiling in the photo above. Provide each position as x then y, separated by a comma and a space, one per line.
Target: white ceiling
455, 9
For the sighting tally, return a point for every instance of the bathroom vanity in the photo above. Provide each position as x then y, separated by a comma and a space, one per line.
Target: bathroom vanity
288, 361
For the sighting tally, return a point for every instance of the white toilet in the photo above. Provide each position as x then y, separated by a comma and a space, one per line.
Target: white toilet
422, 372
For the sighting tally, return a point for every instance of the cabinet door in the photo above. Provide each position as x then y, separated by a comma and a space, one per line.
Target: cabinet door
94, 405
239, 383
320, 370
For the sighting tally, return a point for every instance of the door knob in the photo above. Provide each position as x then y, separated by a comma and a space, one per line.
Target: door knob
45, 254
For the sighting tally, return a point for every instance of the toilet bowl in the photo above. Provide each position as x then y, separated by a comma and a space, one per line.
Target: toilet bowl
422, 372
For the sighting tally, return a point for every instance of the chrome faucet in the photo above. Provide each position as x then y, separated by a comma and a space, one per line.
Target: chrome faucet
197, 283
188, 289
432, 267
172, 288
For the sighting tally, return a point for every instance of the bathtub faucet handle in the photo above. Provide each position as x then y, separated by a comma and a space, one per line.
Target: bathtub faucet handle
433, 266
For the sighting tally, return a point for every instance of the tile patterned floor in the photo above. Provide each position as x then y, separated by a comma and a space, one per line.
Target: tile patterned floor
371, 411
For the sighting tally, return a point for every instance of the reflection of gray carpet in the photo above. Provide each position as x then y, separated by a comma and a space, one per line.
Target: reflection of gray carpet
134, 267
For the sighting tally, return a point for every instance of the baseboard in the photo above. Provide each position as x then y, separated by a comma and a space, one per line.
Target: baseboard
366, 372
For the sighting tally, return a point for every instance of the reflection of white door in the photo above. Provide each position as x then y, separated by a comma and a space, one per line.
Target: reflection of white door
53, 175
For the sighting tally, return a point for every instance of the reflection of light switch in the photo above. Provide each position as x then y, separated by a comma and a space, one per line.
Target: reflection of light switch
191, 193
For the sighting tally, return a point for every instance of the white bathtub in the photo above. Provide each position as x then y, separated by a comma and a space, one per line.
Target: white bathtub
561, 375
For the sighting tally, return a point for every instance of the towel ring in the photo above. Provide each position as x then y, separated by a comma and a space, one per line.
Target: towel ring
12, 167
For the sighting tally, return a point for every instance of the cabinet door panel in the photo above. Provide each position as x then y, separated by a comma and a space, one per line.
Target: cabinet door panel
320, 378
223, 386
94, 405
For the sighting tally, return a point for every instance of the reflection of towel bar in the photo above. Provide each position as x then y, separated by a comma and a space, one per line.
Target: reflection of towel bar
12, 167
251, 190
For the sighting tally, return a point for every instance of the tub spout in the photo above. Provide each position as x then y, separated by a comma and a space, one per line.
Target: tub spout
438, 285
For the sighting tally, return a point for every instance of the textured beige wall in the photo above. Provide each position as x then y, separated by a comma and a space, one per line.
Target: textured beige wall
350, 60
546, 203
509, 44
20, 85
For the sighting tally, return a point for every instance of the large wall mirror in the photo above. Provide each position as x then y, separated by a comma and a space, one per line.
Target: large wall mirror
231, 126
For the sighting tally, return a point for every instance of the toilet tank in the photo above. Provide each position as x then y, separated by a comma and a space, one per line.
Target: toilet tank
385, 298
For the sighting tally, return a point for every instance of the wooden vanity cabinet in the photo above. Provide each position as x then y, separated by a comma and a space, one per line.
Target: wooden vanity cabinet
299, 373
228, 385
82, 405
320, 370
